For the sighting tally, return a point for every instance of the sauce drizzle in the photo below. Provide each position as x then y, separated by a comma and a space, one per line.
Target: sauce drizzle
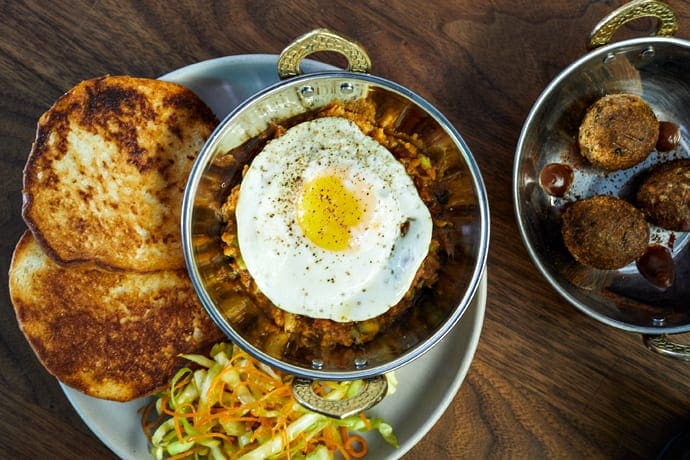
669, 136
656, 266
555, 178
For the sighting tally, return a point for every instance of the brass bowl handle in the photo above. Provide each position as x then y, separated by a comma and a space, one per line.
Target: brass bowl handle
636, 9
663, 345
373, 391
322, 40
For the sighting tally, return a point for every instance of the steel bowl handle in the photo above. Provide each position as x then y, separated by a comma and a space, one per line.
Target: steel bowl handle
322, 40
663, 345
636, 9
373, 391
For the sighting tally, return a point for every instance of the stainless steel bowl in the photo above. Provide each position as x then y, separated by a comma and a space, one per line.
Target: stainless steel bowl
219, 167
657, 68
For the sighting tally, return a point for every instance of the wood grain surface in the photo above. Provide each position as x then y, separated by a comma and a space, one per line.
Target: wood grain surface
547, 381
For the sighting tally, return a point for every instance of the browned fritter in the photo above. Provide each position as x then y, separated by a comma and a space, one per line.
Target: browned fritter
664, 195
110, 334
604, 232
618, 132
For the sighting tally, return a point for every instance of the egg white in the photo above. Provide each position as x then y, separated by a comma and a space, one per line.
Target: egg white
385, 251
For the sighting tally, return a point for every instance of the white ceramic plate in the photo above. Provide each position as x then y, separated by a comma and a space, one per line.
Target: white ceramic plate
426, 387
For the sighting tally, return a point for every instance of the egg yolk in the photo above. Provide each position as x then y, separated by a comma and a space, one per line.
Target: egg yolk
327, 211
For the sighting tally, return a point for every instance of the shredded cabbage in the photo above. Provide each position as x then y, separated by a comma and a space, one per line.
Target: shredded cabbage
233, 406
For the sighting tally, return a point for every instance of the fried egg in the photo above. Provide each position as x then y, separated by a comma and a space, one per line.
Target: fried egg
329, 223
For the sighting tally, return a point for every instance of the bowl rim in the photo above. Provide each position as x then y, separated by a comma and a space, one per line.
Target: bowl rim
478, 269
518, 205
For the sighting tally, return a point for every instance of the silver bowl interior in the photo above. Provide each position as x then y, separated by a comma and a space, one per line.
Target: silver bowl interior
219, 167
657, 69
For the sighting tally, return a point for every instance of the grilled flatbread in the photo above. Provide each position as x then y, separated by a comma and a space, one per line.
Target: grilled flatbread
110, 334
106, 174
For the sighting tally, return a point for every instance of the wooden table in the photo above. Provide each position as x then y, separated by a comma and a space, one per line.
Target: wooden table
546, 381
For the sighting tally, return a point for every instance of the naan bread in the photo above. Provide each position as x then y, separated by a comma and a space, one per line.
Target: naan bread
105, 178
110, 334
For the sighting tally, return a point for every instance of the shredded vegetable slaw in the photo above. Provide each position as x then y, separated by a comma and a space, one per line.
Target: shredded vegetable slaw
235, 407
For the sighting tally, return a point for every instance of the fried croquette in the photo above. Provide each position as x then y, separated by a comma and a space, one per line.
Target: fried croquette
618, 132
604, 232
664, 195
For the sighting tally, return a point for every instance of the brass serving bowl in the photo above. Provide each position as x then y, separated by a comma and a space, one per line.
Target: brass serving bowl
656, 68
217, 169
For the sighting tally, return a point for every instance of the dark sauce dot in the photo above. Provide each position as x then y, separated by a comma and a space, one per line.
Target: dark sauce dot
442, 196
556, 178
669, 136
404, 227
657, 267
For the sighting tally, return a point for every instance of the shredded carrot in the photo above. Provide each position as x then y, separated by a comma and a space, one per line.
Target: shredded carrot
356, 446
178, 428
178, 412
343, 451
366, 421
145, 412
